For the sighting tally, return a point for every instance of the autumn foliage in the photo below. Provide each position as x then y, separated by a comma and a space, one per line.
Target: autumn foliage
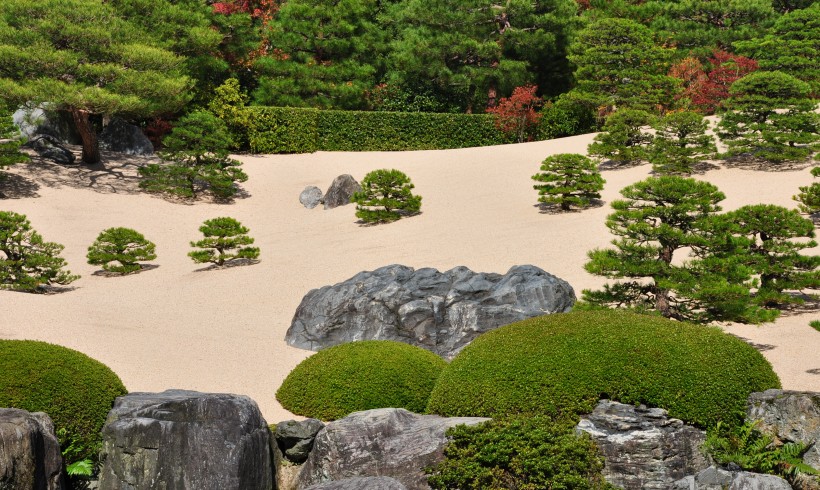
517, 115
706, 91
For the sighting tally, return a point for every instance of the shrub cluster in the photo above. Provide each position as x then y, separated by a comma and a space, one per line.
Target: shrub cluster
564, 363
74, 390
361, 376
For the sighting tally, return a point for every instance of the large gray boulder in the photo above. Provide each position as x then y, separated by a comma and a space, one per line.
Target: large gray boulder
789, 416
295, 438
310, 197
642, 447
181, 439
51, 148
363, 483
383, 442
126, 138
37, 120
714, 478
30, 456
340, 191
439, 311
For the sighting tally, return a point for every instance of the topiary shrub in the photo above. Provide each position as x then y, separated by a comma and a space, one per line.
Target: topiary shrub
569, 179
386, 196
225, 240
74, 390
361, 376
122, 246
519, 452
564, 363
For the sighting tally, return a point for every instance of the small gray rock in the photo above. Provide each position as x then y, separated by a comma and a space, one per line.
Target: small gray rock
363, 483
51, 148
340, 191
125, 138
29, 452
295, 439
311, 197
714, 478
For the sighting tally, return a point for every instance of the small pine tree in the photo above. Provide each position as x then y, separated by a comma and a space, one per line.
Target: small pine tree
809, 197
680, 142
569, 179
9, 145
198, 154
225, 241
623, 139
27, 262
120, 245
386, 196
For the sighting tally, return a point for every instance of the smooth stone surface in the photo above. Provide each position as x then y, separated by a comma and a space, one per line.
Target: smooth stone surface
439, 311
38, 120
30, 456
340, 191
789, 416
126, 138
310, 197
714, 478
295, 438
51, 148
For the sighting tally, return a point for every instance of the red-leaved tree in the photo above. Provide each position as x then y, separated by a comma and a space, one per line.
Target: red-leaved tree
261, 11
518, 114
707, 91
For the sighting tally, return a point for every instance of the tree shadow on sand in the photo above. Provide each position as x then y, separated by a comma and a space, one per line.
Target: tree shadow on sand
545, 208
13, 186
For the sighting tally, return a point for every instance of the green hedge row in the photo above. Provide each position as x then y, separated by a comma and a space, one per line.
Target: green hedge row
299, 130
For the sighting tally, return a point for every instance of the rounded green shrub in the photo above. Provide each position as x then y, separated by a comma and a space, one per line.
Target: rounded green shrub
120, 250
386, 196
361, 376
564, 363
73, 389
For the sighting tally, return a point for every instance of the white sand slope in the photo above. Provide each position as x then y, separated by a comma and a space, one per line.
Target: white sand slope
223, 330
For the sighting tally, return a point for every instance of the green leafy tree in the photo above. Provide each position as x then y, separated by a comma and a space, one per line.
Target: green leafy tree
680, 143
386, 196
657, 218
9, 144
84, 58
619, 64
769, 115
775, 236
197, 158
623, 139
120, 250
569, 179
27, 262
229, 103
225, 241
809, 197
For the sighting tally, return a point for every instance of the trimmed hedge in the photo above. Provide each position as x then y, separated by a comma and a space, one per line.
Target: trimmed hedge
73, 389
361, 376
300, 130
564, 363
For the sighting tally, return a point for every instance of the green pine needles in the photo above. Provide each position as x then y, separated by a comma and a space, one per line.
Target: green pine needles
680, 143
569, 179
623, 141
386, 196
225, 242
9, 145
119, 250
809, 197
27, 262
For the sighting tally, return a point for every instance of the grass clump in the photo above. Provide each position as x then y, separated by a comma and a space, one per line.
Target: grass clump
75, 390
564, 363
361, 376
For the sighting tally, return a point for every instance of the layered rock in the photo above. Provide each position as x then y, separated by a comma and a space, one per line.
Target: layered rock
364, 483
310, 197
388, 442
340, 191
29, 452
714, 478
439, 311
185, 439
295, 439
126, 138
643, 448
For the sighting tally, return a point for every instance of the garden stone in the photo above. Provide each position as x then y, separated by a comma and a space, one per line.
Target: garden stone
714, 478
50, 148
789, 416
295, 439
642, 447
365, 483
38, 120
439, 311
311, 197
29, 452
181, 439
121, 137
388, 442
340, 191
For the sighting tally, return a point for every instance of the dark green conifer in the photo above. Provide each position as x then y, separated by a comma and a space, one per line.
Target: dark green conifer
569, 179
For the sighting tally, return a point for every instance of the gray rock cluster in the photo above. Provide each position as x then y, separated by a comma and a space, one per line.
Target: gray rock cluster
387, 442
439, 311
714, 478
295, 439
126, 138
39, 120
643, 448
51, 148
29, 452
185, 439
338, 194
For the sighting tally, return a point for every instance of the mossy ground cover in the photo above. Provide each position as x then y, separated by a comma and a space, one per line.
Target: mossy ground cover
564, 363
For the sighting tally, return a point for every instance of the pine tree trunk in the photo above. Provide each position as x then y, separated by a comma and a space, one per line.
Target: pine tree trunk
91, 146
662, 302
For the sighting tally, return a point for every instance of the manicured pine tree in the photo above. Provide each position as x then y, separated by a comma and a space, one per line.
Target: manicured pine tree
9, 144
386, 196
198, 154
680, 143
120, 250
623, 139
809, 197
225, 241
568, 179
770, 116
27, 262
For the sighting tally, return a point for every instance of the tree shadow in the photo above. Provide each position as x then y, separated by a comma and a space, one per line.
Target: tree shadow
13, 186
749, 162
47, 290
759, 347
143, 268
610, 165
229, 265
545, 208
813, 371
368, 224
805, 303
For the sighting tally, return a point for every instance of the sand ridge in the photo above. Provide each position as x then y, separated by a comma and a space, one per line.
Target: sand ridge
178, 326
